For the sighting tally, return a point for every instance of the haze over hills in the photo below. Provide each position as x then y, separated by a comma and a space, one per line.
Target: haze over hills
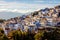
7, 15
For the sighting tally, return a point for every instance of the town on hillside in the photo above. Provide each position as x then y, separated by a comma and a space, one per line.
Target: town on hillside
47, 19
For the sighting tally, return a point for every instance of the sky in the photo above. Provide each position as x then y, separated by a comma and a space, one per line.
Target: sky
13, 8
25, 6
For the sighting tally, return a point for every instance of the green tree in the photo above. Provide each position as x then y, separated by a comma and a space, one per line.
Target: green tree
2, 35
39, 36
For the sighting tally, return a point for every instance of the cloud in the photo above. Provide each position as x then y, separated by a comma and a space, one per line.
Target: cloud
22, 7
47, 1
39, 1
